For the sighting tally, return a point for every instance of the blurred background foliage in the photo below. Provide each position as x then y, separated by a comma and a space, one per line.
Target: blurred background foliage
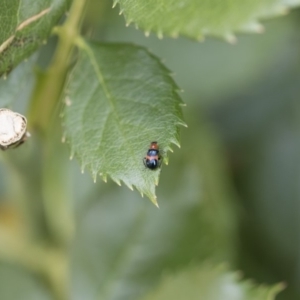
230, 194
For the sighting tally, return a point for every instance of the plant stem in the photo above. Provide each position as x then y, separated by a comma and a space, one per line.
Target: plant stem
50, 83
42, 116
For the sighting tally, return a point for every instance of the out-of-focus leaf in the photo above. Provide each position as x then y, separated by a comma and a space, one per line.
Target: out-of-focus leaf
198, 18
261, 129
124, 245
213, 71
16, 283
24, 25
120, 98
211, 283
17, 87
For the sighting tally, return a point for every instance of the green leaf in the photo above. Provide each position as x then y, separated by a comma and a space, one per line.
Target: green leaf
24, 26
119, 99
198, 18
211, 283
123, 246
16, 89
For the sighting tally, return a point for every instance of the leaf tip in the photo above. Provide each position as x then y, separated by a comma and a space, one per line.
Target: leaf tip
276, 289
128, 23
260, 28
154, 201
160, 35
175, 142
115, 3
129, 186
147, 33
230, 38
281, 10
181, 123
280, 287
166, 160
174, 34
117, 181
200, 38
170, 149
68, 101
121, 12
104, 177
284, 11
94, 174
254, 27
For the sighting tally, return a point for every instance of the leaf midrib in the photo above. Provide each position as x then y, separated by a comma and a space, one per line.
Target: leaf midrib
83, 45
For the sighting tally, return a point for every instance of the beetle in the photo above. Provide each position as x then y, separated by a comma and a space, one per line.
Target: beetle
153, 159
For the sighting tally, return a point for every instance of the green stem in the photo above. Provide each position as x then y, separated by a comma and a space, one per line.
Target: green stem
56, 191
47, 262
50, 83
43, 117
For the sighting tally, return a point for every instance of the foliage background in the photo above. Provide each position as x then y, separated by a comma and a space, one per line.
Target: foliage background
230, 194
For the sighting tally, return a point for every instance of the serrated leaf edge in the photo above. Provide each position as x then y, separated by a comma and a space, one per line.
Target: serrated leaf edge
80, 42
273, 290
253, 26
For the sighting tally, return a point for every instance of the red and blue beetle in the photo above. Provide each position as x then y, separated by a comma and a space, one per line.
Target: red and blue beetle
153, 159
